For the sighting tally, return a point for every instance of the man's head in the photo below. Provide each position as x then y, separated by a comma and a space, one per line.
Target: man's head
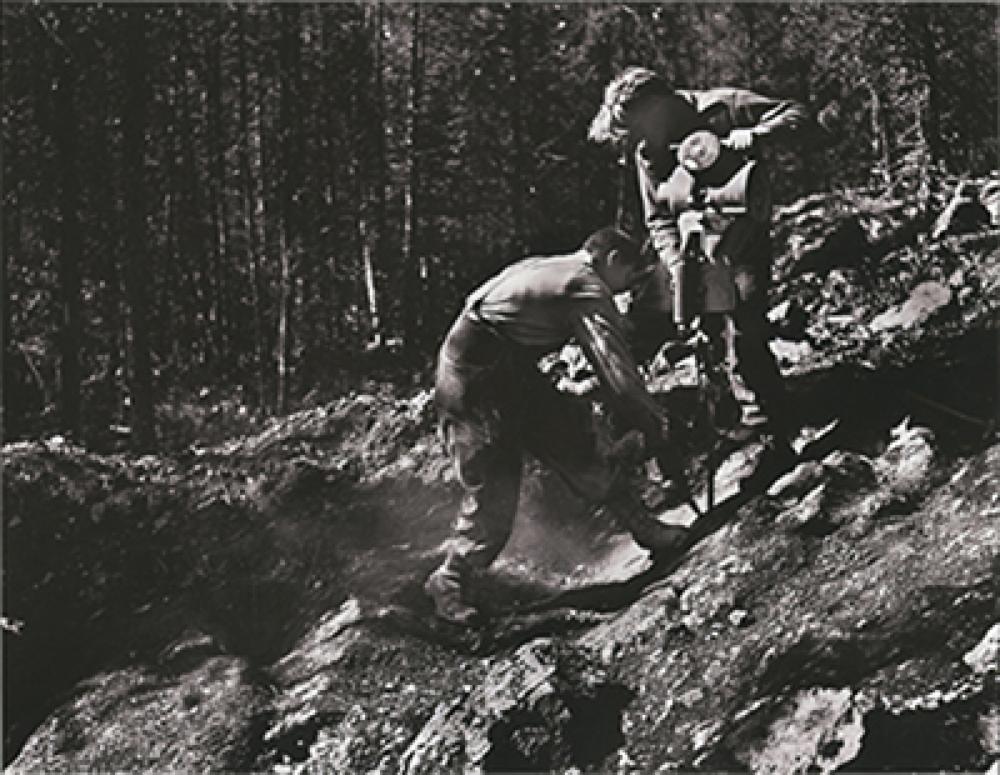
618, 259
640, 106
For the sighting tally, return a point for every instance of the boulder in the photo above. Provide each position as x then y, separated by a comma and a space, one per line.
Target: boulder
204, 719
963, 213
985, 655
924, 300
845, 246
816, 731
548, 706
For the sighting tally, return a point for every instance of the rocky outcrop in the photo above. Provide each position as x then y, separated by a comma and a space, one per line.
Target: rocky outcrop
207, 717
780, 643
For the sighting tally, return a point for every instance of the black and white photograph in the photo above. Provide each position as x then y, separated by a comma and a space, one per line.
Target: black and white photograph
303, 304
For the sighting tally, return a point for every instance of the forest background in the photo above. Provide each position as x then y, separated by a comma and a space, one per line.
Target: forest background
230, 210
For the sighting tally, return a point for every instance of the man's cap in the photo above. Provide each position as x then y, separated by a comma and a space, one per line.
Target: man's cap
624, 92
610, 238
608, 124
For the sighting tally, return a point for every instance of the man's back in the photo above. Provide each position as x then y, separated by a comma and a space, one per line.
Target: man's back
535, 302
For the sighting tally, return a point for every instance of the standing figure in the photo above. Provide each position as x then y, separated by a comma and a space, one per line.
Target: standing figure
494, 403
645, 118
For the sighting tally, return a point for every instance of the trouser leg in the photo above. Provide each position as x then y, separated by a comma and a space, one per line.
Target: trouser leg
756, 363
486, 457
559, 430
488, 467
760, 372
651, 316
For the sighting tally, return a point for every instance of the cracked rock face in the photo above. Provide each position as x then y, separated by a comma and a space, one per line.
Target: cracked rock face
985, 656
547, 706
816, 731
205, 718
768, 648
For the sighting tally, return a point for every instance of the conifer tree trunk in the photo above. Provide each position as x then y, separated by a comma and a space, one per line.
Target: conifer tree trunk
220, 212
194, 269
414, 264
107, 272
371, 226
936, 147
137, 259
13, 383
616, 184
70, 243
749, 11
253, 210
290, 177
518, 184
284, 322
880, 138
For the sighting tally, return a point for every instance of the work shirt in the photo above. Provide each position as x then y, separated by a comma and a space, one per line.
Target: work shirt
722, 110
536, 306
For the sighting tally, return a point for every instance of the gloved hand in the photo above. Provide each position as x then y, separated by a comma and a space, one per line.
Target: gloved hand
675, 490
665, 449
740, 139
670, 464
629, 450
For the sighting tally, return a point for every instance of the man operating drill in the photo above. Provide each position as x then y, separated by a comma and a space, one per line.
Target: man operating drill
645, 118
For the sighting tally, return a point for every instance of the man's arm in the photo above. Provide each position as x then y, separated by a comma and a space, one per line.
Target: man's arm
773, 119
660, 222
599, 331
753, 116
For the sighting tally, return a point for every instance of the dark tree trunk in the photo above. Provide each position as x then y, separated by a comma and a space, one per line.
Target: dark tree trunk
751, 70
932, 123
220, 212
13, 386
106, 190
250, 166
415, 268
70, 245
371, 218
137, 260
290, 177
517, 88
191, 264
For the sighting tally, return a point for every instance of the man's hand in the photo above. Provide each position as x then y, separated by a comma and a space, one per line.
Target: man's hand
740, 139
629, 450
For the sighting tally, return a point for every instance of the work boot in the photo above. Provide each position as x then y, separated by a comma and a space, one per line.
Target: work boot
444, 587
776, 458
649, 533
727, 412
628, 450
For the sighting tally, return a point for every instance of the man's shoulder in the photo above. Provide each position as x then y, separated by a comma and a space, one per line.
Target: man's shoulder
581, 281
704, 98
587, 284
569, 276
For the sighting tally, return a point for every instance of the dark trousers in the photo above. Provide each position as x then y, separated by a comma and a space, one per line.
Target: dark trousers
652, 320
489, 417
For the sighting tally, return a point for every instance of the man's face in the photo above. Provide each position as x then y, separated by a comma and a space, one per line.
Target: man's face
640, 275
628, 272
645, 123
658, 121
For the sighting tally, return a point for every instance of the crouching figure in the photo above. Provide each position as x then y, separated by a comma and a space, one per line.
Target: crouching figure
494, 404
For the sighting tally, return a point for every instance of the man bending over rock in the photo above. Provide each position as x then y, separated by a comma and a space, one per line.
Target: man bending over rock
494, 403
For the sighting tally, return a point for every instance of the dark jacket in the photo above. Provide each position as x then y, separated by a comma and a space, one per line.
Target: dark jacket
722, 110
537, 305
